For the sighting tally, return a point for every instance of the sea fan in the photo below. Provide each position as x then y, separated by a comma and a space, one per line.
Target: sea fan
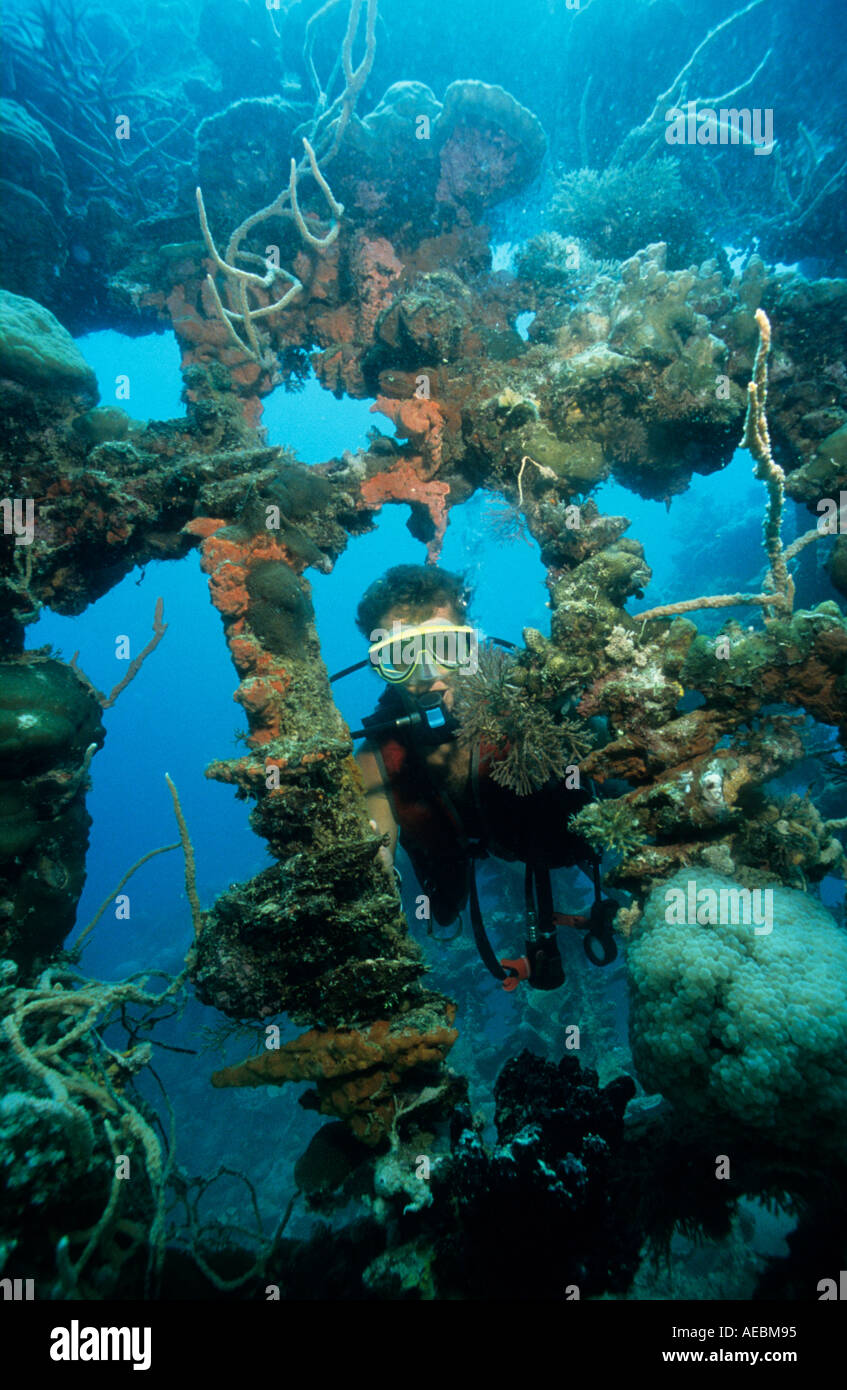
505, 524
491, 705
617, 211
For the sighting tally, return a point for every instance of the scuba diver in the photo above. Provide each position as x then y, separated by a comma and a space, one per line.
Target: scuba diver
435, 793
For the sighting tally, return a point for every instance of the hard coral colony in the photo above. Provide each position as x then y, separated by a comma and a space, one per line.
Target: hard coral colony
645, 329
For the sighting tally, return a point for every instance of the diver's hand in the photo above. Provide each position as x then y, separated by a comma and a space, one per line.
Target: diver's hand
381, 817
384, 855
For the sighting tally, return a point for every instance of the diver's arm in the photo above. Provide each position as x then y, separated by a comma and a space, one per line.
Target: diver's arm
379, 807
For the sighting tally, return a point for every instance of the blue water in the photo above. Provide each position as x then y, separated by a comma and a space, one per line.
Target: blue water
590, 70
141, 375
321, 426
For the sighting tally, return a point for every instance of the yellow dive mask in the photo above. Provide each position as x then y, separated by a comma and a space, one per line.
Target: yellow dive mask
423, 653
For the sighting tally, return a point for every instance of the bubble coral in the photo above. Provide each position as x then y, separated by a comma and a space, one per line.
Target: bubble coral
741, 1029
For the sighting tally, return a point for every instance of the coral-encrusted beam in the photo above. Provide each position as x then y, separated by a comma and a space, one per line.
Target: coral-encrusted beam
358, 1072
320, 934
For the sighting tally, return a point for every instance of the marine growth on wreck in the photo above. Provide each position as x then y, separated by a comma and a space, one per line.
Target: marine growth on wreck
583, 268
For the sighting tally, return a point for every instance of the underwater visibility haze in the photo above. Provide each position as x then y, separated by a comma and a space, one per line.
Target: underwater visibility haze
496, 352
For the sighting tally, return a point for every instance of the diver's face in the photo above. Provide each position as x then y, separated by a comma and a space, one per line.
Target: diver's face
444, 613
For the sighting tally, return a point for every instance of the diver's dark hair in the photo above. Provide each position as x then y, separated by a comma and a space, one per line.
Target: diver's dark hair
415, 586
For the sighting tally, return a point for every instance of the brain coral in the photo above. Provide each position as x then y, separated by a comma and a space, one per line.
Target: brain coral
747, 1029
35, 349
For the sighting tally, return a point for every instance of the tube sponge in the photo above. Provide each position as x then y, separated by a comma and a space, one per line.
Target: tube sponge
744, 1028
